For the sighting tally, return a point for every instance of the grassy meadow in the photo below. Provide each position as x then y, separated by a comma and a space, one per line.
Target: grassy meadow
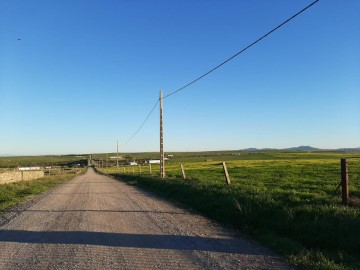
25, 161
287, 200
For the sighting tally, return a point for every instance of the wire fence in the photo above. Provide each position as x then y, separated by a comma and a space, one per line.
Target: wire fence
49, 171
62, 171
308, 178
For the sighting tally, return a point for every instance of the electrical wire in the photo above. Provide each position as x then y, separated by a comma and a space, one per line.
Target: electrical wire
221, 64
143, 123
241, 51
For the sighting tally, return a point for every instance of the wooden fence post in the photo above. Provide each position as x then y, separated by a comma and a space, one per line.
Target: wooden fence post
149, 168
133, 170
344, 181
183, 171
227, 177
139, 168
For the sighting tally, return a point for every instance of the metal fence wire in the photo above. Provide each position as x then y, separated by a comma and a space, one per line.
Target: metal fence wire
265, 175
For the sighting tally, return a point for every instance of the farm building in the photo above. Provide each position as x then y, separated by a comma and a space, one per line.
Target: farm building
120, 157
29, 168
154, 161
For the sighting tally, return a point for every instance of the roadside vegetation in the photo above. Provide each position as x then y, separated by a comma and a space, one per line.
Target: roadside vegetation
287, 201
15, 193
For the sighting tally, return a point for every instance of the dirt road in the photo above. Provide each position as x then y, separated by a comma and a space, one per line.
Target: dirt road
95, 222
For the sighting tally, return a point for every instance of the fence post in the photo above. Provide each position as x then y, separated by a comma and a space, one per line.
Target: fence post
133, 170
183, 171
139, 168
227, 177
344, 181
149, 168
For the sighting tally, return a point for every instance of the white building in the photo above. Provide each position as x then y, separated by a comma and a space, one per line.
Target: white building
153, 161
29, 168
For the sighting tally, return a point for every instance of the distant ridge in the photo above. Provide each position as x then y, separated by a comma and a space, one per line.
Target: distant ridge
304, 148
349, 149
252, 149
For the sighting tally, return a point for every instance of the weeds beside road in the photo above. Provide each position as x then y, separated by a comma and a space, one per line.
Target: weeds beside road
15, 193
288, 205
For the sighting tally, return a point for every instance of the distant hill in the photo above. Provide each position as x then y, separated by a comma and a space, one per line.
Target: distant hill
305, 148
299, 148
251, 149
349, 149
302, 148
259, 149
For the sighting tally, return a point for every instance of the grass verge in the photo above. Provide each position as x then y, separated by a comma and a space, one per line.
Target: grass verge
13, 194
309, 230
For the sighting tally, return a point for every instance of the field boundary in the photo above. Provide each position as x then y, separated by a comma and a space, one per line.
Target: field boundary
16, 176
292, 206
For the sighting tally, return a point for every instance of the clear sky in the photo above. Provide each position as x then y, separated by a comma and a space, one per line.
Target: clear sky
78, 75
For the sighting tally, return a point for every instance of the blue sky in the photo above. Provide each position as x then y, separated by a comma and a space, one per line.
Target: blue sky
85, 74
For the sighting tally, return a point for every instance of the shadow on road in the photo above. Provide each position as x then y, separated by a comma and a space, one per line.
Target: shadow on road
48, 211
172, 242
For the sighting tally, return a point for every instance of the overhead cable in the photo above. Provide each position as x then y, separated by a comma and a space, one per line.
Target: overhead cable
221, 64
143, 123
241, 51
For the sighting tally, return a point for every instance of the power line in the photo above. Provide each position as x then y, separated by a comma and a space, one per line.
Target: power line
221, 64
143, 123
243, 50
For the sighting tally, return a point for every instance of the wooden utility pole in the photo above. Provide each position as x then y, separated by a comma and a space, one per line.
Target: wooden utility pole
345, 181
162, 158
117, 154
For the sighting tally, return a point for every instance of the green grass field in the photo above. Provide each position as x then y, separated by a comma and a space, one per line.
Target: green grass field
24, 161
288, 201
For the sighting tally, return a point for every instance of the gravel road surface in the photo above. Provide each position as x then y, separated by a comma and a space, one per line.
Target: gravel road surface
96, 222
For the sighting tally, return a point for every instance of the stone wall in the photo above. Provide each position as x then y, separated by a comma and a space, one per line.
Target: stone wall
15, 176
